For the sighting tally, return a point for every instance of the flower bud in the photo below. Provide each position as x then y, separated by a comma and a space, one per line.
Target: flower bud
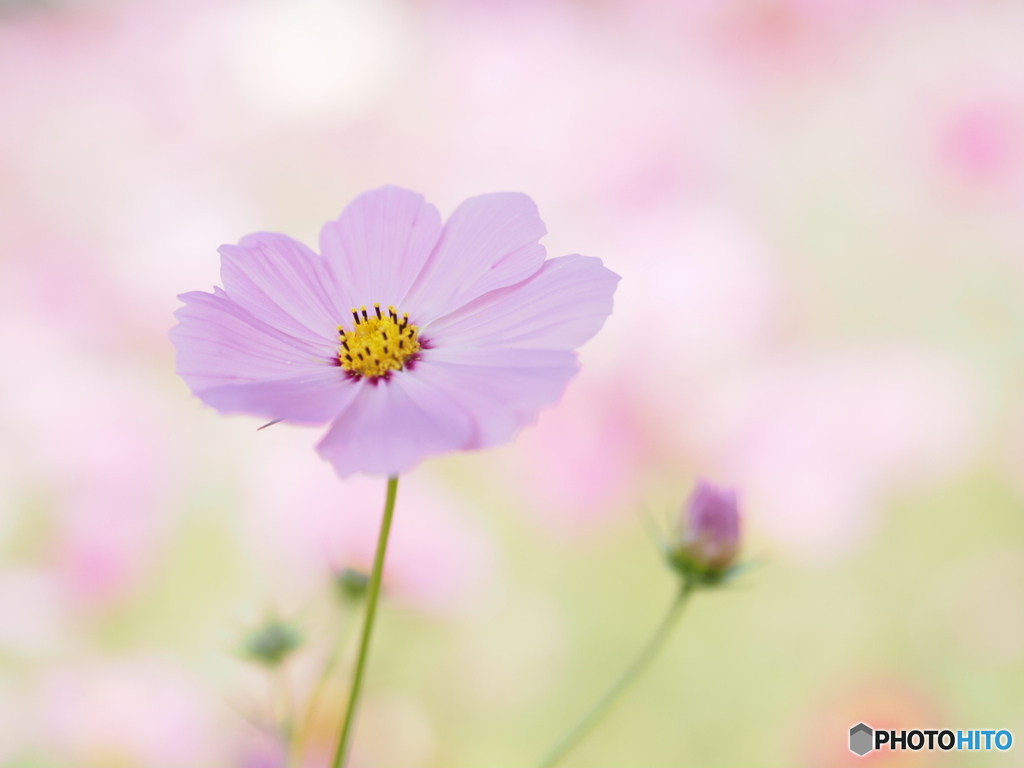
351, 584
272, 643
709, 533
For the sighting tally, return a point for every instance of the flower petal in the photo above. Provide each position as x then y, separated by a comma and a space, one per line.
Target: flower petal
312, 398
283, 282
560, 307
219, 342
489, 242
503, 389
237, 363
379, 244
392, 425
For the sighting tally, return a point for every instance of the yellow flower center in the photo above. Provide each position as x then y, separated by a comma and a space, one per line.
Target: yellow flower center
378, 343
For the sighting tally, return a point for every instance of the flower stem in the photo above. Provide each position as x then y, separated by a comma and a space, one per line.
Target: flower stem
373, 593
640, 663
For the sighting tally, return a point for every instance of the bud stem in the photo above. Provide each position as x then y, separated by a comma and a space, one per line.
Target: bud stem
640, 663
341, 640
373, 593
283, 695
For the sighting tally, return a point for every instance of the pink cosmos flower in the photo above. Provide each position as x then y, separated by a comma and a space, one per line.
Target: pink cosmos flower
412, 337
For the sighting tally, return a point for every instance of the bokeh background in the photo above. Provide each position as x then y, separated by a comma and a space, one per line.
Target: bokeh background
817, 208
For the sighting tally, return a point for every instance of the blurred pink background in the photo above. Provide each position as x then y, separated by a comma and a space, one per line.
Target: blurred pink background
817, 208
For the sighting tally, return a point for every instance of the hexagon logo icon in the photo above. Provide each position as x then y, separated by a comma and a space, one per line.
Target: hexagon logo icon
861, 737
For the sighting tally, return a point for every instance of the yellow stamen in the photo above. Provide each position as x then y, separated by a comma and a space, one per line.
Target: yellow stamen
378, 343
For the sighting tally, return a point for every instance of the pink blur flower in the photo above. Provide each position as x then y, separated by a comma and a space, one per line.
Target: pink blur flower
412, 337
302, 524
979, 142
579, 467
141, 711
817, 441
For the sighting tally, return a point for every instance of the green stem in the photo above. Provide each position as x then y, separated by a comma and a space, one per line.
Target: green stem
283, 699
647, 655
345, 738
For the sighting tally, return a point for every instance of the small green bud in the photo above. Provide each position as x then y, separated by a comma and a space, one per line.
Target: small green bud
351, 584
272, 643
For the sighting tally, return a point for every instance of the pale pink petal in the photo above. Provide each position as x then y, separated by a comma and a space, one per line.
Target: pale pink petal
313, 398
219, 342
237, 363
286, 284
560, 307
379, 244
394, 424
489, 242
501, 388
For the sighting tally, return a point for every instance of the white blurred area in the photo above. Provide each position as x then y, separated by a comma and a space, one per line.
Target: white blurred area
314, 61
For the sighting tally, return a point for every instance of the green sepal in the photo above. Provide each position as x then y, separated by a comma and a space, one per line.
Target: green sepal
272, 643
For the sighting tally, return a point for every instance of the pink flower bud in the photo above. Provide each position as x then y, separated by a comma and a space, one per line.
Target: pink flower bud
709, 531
